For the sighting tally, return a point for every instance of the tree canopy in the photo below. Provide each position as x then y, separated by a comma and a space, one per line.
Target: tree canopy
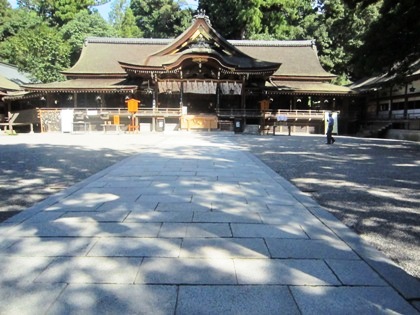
160, 18
392, 43
354, 38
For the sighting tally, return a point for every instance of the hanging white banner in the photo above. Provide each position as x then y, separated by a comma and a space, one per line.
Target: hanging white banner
200, 87
232, 88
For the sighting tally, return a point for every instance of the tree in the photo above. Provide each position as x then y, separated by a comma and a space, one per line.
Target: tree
84, 25
123, 20
129, 28
39, 50
160, 18
338, 31
231, 18
287, 19
392, 43
59, 12
260, 19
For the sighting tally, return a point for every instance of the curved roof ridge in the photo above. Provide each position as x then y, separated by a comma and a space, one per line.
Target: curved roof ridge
273, 43
117, 40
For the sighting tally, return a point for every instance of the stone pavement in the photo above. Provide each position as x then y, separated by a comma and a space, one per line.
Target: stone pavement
193, 225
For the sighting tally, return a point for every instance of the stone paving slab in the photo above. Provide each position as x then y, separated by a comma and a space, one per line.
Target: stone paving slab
136, 247
306, 272
91, 270
115, 299
206, 271
216, 300
309, 249
195, 225
224, 248
350, 300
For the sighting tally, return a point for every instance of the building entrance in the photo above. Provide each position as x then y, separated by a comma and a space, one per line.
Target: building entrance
200, 103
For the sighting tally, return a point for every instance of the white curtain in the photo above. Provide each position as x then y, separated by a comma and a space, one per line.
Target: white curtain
200, 87
231, 88
166, 86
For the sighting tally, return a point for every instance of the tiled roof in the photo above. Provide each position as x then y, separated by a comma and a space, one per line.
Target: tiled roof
13, 74
298, 58
102, 55
7, 85
311, 87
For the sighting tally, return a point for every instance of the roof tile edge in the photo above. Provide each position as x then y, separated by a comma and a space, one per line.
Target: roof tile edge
165, 41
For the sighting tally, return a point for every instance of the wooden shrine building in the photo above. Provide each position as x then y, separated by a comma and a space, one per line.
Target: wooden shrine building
198, 80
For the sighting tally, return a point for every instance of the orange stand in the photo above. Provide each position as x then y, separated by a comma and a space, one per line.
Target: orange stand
133, 107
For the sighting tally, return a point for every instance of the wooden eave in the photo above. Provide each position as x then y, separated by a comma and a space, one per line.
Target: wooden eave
200, 26
87, 85
304, 78
225, 65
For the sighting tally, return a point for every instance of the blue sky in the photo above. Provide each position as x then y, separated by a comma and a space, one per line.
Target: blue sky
105, 8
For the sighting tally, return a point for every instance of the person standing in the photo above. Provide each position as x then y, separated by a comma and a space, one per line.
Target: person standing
330, 138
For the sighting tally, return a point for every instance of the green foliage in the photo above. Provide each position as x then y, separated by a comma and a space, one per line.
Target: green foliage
16, 21
5, 9
40, 51
392, 43
160, 18
129, 28
354, 37
277, 19
82, 26
226, 17
58, 12
123, 20
338, 31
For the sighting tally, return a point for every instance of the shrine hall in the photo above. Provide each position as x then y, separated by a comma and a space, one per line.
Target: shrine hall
198, 80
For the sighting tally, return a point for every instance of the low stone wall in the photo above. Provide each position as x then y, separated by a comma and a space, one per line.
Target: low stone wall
401, 134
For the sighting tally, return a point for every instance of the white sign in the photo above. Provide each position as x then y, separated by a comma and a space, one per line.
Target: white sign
67, 120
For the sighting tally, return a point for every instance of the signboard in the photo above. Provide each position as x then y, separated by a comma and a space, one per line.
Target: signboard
67, 120
133, 105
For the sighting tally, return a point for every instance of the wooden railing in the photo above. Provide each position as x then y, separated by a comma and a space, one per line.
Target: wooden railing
298, 114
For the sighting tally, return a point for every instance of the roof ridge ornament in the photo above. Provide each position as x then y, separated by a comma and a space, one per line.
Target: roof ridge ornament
201, 14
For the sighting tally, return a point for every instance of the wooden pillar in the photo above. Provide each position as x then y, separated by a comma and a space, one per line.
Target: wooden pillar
243, 103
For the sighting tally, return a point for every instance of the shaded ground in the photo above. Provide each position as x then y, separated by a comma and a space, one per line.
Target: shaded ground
371, 185
32, 167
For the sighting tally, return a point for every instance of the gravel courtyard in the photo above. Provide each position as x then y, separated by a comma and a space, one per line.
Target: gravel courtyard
371, 185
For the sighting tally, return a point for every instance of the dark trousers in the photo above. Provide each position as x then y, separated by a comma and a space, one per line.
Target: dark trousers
330, 138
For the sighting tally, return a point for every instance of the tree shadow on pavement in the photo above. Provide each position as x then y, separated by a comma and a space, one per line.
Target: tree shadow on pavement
371, 185
30, 173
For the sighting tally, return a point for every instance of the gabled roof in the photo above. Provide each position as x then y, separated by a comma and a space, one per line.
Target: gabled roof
201, 43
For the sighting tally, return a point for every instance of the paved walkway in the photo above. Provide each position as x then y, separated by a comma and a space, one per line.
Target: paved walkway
194, 225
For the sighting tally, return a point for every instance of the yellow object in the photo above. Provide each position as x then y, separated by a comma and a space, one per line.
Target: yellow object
133, 105
116, 119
